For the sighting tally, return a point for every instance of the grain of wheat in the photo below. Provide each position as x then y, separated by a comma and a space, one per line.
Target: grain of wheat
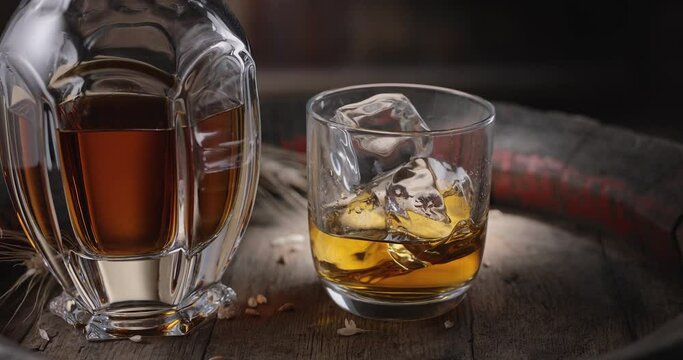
135, 338
43, 334
286, 307
252, 312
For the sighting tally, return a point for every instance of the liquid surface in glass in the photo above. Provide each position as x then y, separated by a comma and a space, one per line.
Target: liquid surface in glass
431, 257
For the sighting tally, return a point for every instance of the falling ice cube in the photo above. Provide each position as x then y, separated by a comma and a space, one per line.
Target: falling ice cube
376, 154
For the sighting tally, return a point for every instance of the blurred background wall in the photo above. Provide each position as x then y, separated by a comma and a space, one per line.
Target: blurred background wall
618, 61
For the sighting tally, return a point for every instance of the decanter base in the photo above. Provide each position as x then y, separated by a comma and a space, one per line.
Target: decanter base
125, 320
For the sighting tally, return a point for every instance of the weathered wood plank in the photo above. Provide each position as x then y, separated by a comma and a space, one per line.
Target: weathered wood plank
544, 292
609, 177
547, 290
627, 169
9, 351
553, 134
310, 331
665, 343
649, 295
670, 187
69, 343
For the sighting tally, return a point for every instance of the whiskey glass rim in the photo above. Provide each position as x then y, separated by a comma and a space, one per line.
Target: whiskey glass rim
481, 123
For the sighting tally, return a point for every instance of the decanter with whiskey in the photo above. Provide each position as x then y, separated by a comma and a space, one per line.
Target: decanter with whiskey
129, 141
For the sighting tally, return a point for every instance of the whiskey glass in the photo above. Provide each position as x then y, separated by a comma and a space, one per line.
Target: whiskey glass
398, 197
130, 141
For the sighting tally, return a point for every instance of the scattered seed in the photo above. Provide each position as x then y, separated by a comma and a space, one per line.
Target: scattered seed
486, 265
286, 307
227, 313
252, 312
252, 302
350, 328
261, 299
135, 338
281, 260
448, 324
218, 357
43, 334
70, 305
288, 239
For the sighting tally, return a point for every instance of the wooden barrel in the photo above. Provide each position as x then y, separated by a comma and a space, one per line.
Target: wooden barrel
583, 259
576, 168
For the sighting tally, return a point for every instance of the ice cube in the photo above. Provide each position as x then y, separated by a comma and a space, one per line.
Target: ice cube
342, 159
428, 213
362, 215
386, 112
422, 209
425, 199
377, 154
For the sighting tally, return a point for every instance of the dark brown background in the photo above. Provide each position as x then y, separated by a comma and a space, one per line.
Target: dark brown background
618, 61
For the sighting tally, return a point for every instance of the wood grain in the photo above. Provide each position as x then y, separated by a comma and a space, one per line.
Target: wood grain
310, 331
611, 178
649, 295
546, 291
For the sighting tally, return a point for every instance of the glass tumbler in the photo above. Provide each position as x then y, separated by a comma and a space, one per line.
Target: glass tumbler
399, 184
129, 139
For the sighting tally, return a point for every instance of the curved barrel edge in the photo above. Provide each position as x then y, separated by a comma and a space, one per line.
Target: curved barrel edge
573, 166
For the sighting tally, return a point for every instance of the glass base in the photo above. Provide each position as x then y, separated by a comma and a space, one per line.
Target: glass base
383, 310
142, 318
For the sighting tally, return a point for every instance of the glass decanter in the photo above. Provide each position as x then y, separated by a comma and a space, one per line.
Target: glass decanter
130, 142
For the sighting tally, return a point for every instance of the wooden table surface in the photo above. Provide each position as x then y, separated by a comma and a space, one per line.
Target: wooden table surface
548, 288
